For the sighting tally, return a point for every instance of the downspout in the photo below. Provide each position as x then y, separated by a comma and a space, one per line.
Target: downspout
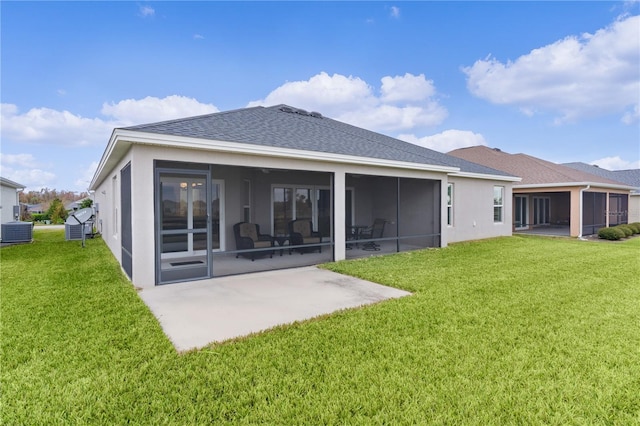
18, 191
581, 208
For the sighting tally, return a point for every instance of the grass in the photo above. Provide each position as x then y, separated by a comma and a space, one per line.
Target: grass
519, 330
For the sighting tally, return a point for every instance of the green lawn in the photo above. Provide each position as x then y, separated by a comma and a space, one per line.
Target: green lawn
519, 330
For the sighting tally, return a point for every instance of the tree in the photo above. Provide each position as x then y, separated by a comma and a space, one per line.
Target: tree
87, 202
57, 212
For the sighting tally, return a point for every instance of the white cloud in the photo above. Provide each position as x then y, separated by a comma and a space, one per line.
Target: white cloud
151, 109
447, 140
63, 128
45, 125
616, 163
395, 12
85, 178
576, 77
633, 116
146, 11
26, 170
405, 102
198, 37
406, 88
20, 160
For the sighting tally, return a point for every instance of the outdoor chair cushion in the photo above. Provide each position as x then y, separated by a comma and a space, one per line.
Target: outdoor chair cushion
302, 227
302, 233
248, 230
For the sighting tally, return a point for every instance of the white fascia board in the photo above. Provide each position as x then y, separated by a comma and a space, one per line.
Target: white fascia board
111, 155
184, 142
486, 176
577, 184
11, 184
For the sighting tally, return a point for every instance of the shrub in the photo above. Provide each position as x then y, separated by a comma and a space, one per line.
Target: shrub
611, 233
625, 228
39, 217
635, 226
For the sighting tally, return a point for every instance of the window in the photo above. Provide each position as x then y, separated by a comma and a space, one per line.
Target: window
498, 203
450, 204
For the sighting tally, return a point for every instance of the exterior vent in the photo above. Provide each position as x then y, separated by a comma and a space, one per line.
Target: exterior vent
17, 232
300, 111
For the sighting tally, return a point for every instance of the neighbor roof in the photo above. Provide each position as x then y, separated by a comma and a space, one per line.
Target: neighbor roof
629, 176
282, 126
534, 171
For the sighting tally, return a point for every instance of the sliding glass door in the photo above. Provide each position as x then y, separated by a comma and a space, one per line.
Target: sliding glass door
301, 203
521, 216
541, 210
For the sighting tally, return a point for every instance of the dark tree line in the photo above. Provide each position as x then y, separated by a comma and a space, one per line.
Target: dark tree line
46, 196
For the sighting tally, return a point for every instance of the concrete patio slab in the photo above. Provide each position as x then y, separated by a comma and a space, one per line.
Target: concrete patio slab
194, 314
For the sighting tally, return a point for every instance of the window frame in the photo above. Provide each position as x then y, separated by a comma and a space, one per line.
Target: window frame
498, 204
450, 210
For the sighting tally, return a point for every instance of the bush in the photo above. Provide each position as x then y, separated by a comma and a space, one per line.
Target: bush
39, 217
635, 226
625, 228
611, 233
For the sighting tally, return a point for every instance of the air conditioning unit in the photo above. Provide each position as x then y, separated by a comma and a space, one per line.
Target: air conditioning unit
74, 232
17, 232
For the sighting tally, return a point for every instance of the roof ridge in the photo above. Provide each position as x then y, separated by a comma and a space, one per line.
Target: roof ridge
187, 119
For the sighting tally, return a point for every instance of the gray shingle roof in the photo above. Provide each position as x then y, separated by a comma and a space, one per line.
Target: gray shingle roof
629, 177
282, 126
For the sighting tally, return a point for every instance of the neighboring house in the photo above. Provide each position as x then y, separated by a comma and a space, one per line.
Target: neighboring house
551, 195
629, 177
32, 208
9, 200
171, 192
75, 205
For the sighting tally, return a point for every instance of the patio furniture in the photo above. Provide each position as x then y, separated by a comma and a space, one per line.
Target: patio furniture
353, 234
301, 233
282, 241
374, 231
248, 237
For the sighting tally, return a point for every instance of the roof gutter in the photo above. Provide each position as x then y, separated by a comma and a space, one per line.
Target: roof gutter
504, 178
582, 190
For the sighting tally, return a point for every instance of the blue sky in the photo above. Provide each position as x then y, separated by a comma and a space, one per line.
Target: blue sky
556, 80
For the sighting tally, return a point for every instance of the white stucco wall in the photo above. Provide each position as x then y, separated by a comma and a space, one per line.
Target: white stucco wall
634, 208
473, 210
8, 199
